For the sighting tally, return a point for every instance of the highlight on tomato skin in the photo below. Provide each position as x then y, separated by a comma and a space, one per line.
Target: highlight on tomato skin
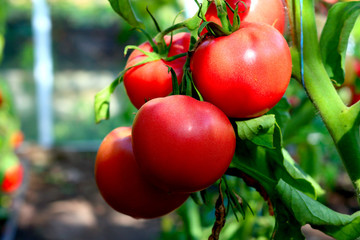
182, 144
153, 79
244, 74
122, 185
13, 178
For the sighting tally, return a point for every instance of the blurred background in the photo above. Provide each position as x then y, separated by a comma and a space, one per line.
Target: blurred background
58, 54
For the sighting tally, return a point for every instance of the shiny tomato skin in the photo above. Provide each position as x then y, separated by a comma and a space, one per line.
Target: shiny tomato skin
121, 184
13, 178
244, 74
182, 144
271, 12
153, 79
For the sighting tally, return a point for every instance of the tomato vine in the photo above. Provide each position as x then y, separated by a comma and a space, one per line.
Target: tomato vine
260, 157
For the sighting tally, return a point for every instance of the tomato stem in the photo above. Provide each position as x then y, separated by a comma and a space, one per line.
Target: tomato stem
223, 16
341, 121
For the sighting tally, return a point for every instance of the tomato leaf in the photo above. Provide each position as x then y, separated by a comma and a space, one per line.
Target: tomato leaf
123, 8
334, 38
258, 130
102, 101
308, 211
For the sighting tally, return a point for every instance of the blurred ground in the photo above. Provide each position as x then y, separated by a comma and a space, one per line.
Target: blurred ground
62, 202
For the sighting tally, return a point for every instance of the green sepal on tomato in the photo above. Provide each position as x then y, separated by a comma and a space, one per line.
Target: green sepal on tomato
123, 186
182, 144
153, 79
245, 73
270, 12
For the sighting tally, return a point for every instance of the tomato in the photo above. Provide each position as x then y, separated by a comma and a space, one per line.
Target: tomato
355, 95
271, 12
357, 67
16, 139
153, 79
13, 178
1, 99
244, 74
121, 184
182, 144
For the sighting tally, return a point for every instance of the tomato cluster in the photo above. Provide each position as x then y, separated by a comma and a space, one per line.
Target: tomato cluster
178, 144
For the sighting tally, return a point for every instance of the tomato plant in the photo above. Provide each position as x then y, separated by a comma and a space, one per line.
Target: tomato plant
181, 144
122, 185
153, 79
242, 74
242, 69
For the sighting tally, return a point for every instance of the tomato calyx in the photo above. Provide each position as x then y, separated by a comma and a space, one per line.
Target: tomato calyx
227, 27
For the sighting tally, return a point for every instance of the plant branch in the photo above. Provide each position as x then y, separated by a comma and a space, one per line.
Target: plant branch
341, 121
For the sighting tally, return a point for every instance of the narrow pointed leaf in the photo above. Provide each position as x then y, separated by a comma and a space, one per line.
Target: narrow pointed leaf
124, 9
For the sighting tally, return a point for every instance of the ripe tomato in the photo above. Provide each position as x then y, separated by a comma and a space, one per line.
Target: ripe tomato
181, 144
121, 184
12, 173
153, 79
271, 12
244, 74
16, 139
1, 99
13, 178
357, 67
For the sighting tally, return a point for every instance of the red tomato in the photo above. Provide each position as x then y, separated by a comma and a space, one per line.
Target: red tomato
1, 99
13, 178
16, 139
153, 79
121, 184
355, 95
357, 67
271, 12
181, 144
244, 74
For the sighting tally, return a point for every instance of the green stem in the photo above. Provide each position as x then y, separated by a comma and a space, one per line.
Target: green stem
222, 15
340, 120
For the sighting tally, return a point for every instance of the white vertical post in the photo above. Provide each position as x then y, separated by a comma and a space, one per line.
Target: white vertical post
43, 71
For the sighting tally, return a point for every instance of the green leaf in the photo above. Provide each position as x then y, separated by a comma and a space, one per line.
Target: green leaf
258, 130
123, 8
286, 226
102, 101
308, 211
334, 38
297, 173
281, 112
